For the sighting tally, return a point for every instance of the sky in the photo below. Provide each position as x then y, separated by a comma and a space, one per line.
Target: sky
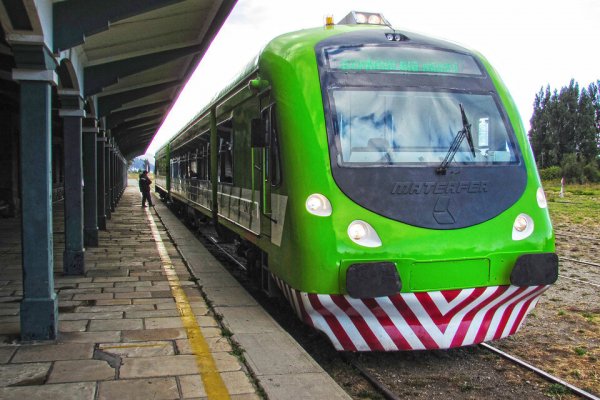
531, 43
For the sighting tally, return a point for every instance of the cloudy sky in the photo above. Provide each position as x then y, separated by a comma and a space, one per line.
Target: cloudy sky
531, 43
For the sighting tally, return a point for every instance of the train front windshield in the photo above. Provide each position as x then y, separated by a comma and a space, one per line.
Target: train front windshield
375, 127
400, 106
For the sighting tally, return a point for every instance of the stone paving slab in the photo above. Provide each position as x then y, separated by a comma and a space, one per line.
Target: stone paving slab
215, 343
90, 337
139, 349
120, 332
53, 352
248, 319
6, 353
153, 334
151, 388
301, 387
90, 315
192, 387
275, 353
216, 280
23, 374
81, 371
157, 366
73, 326
229, 296
65, 391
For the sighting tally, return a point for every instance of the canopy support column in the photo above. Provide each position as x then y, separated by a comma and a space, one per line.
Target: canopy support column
39, 307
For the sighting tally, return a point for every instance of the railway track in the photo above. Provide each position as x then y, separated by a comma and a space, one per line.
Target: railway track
580, 261
379, 385
387, 393
570, 235
543, 374
589, 263
580, 281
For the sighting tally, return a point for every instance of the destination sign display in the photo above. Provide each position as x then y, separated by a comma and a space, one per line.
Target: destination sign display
401, 59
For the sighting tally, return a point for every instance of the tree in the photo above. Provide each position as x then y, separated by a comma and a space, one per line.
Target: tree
586, 132
566, 122
540, 135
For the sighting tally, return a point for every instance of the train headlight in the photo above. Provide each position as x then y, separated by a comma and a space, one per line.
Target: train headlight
362, 233
319, 205
522, 227
541, 198
374, 19
360, 18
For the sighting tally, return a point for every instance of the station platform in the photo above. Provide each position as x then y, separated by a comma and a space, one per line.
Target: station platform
155, 316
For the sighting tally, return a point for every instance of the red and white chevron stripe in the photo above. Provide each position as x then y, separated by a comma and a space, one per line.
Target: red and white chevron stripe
416, 321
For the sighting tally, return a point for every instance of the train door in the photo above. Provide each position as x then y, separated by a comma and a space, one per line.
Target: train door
263, 131
265, 178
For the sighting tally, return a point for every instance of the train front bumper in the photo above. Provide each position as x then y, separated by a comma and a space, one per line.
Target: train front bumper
416, 321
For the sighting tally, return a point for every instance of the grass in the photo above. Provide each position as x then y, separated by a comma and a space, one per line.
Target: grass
580, 204
589, 316
580, 351
466, 387
558, 390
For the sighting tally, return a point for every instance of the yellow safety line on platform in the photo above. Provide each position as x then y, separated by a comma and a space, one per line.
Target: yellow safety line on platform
211, 378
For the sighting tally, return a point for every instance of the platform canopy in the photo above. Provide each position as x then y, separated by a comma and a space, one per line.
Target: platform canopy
131, 57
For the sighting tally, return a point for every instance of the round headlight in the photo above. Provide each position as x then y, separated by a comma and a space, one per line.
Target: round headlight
520, 223
357, 230
362, 233
374, 19
522, 227
360, 18
319, 205
541, 198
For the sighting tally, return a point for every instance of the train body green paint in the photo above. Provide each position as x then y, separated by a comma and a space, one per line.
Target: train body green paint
441, 231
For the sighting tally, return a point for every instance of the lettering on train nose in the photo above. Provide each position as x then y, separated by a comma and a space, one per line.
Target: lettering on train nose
437, 188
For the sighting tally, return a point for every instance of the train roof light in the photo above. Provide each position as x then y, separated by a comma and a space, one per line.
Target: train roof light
329, 20
363, 18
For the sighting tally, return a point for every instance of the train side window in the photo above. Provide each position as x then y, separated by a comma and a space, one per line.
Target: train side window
207, 163
194, 165
174, 165
201, 166
225, 153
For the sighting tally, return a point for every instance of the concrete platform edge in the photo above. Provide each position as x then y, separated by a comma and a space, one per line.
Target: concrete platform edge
298, 375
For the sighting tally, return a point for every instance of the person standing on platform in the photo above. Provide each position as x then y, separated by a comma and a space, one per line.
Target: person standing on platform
145, 189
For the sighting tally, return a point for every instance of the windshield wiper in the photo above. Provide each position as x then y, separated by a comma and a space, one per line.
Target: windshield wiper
455, 145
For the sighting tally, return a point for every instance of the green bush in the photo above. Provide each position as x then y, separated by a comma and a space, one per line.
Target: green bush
572, 170
591, 172
551, 173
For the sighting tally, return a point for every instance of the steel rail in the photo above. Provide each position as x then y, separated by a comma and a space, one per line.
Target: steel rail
579, 280
579, 261
383, 389
215, 242
576, 236
538, 371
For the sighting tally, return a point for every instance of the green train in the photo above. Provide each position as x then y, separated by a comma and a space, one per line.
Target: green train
381, 179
